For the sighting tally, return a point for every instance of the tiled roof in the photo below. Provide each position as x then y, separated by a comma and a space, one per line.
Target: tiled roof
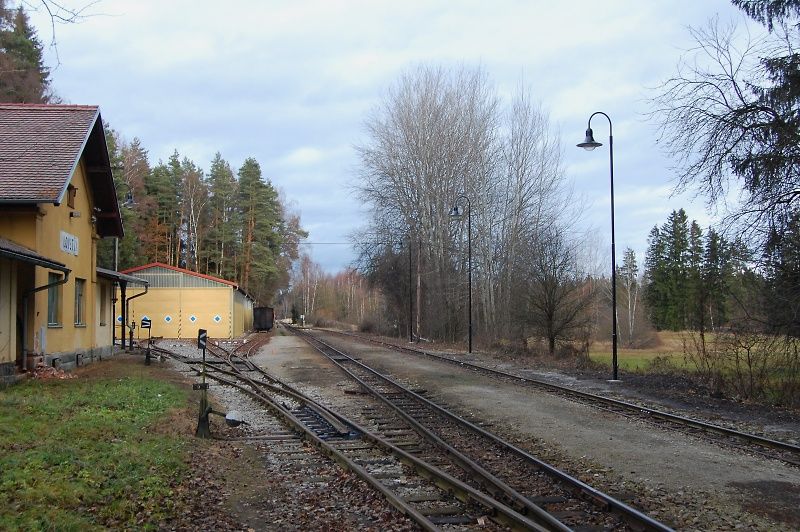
41, 145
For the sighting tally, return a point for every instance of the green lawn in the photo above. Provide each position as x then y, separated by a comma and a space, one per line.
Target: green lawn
77, 454
636, 359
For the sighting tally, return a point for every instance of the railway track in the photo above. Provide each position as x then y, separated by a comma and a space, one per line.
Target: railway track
421, 489
771, 448
481, 458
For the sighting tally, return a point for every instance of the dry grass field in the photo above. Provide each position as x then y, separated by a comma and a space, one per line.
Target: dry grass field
670, 349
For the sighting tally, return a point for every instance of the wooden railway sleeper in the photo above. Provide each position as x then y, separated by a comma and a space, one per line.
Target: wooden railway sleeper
500, 512
629, 513
515, 499
621, 406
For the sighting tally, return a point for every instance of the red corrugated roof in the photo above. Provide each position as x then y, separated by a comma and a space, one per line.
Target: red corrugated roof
182, 270
41, 145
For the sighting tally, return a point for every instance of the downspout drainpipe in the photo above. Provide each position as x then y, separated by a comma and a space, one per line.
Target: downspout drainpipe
113, 317
25, 313
128, 310
122, 287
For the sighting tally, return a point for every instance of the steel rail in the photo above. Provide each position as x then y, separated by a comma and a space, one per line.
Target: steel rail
634, 516
590, 397
502, 513
523, 503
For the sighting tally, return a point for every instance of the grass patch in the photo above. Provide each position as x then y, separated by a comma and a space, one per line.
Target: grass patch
669, 352
78, 454
640, 359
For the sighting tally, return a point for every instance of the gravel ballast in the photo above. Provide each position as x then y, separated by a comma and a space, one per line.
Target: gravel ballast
679, 479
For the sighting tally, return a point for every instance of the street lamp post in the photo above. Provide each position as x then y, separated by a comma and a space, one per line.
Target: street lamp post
410, 298
456, 212
589, 144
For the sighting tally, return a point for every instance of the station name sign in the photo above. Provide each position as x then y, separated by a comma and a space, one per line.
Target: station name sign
69, 243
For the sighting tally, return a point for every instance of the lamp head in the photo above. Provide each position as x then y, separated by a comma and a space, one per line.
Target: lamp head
457, 211
589, 143
128, 199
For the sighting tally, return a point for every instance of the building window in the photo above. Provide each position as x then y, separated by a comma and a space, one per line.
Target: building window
80, 301
71, 193
53, 301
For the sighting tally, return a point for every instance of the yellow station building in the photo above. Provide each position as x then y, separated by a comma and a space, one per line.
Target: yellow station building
179, 302
57, 199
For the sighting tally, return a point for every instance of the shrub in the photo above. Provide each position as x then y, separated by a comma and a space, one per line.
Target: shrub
661, 364
748, 365
368, 325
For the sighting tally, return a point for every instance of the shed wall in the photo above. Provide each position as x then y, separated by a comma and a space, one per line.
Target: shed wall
171, 310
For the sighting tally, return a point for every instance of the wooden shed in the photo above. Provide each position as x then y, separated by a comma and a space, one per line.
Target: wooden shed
179, 302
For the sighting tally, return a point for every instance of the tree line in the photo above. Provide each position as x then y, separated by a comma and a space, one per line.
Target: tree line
229, 224
730, 118
689, 275
221, 223
324, 299
444, 138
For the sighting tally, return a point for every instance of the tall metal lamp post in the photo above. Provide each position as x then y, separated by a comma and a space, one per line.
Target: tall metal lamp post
458, 212
589, 144
410, 298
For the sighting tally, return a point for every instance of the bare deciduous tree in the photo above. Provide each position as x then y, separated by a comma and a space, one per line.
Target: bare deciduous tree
440, 134
558, 295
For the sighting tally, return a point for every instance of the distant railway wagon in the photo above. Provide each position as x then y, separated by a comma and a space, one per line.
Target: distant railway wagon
263, 318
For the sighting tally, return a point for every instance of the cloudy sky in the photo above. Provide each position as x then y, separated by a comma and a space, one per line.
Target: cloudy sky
291, 82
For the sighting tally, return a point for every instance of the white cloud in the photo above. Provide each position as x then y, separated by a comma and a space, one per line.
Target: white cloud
304, 156
290, 83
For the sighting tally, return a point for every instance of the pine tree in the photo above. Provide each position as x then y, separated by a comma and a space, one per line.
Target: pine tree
782, 272
106, 246
164, 185
23, 75
676, 231
718, 273
655, 272
260, 216
666, 271
768, 168
222, 240
194, 215
696, 291
136, 206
